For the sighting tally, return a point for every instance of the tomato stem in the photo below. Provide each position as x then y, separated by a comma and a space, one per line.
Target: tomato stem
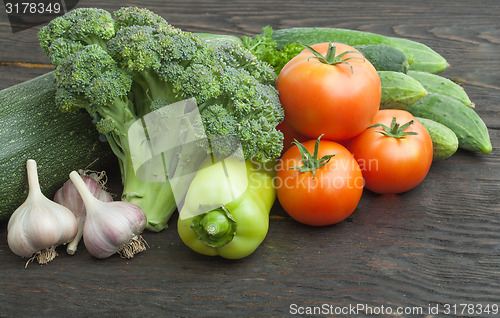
330, 58
311, 162
395, 131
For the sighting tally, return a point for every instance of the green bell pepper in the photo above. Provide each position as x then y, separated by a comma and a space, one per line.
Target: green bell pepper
237, 203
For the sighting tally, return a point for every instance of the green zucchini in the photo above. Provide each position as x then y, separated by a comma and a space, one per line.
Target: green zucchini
385, 57
441, 85
444, 140
399, 90
31, 127
420, 56
470, 129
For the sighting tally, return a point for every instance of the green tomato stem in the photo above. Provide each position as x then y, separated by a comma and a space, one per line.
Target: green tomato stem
395, 131
331, 58
311, 162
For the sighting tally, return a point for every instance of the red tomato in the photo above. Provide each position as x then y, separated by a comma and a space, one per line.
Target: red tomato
327, 196
389, 164
338, 100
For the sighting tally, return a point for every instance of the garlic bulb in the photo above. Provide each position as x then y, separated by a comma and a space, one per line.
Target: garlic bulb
110, 227
69, 197
39, 225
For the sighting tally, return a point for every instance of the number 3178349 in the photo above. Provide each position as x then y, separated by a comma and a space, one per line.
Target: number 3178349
32, 7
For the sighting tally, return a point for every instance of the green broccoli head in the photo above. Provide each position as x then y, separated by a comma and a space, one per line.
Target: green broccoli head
239, 57
252, 109
77, 28
125, 67
91, 79
135, 50
133, 16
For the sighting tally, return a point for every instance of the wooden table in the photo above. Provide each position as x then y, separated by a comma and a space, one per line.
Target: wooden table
437, 246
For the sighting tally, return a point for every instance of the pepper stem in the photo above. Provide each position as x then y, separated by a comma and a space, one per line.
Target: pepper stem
395, 131
215, 228
311, 162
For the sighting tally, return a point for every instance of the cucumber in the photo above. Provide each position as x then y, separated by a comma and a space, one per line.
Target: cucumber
426, 59
385, 57
444, 140
470, 129
217, 39
31, 127
441, 85
420, 56
399, 90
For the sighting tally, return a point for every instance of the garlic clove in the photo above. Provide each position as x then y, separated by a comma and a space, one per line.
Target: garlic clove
39, 224
110, 227
69, 197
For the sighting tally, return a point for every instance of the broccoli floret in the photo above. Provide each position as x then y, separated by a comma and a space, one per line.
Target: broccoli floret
120, 68
82, 26
240, 58
133, 16
93, 78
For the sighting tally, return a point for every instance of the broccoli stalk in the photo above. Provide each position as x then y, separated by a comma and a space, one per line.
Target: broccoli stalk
121, 68
155, 198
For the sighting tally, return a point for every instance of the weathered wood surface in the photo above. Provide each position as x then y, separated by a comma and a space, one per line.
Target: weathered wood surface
435, 245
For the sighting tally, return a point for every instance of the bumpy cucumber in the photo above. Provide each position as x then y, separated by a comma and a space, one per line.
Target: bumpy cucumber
216, 39
441, 85
470, 129
426, 59
420, 56
399, 90
385, 57
444, 140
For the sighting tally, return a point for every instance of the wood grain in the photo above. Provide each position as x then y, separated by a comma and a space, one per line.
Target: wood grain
437, 244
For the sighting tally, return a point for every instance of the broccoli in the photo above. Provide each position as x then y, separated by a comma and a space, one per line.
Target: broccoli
121, 67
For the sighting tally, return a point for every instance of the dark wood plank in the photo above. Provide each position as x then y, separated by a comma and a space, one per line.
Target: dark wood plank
15, 73
437, 244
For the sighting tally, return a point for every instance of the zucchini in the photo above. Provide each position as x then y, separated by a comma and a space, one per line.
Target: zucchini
470, 129
31, 127
399, 90
441, 85
420, 56
444, 140
385, 57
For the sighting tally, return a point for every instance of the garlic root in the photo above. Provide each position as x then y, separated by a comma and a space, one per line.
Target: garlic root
43, 256
134, 246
